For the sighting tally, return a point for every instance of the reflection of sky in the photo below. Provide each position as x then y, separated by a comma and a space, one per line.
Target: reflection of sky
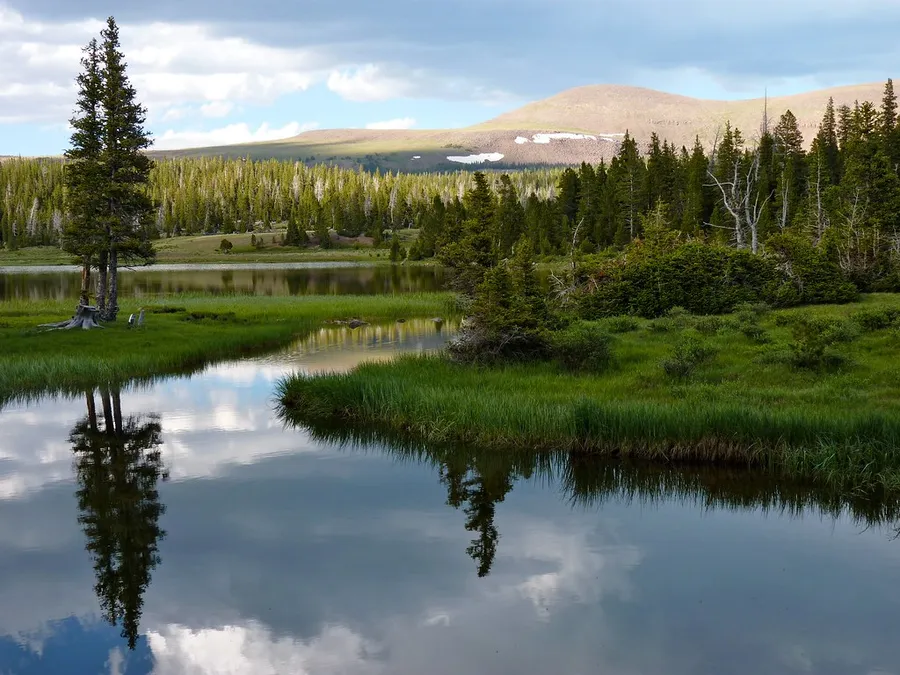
288, 556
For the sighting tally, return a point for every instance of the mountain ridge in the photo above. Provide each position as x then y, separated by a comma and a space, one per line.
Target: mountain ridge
579, 124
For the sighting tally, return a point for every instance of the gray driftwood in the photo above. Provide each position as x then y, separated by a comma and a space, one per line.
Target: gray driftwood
85, 318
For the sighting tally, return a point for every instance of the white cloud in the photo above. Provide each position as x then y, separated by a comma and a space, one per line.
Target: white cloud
217, 108
397, 123
368, 83
173, 66
175, 113
251, 649
228, 135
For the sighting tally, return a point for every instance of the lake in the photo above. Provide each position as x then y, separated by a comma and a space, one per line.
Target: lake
326, 278
219, 541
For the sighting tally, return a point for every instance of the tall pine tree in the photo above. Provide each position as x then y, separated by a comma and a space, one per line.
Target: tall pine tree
128, 207
83, 171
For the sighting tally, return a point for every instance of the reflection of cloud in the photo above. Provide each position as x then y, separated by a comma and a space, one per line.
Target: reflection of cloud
583, 571
251, 649
116, 661
218, 418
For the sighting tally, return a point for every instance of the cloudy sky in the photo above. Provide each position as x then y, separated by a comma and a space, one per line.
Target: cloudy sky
217, 72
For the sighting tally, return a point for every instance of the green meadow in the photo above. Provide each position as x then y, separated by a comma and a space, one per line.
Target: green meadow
181, 333
766, 390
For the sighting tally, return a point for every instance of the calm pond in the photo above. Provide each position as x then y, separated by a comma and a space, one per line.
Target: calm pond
219, 541
58, 283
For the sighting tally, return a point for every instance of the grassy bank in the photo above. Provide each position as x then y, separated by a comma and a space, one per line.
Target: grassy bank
181, 333
749, 403
205, 249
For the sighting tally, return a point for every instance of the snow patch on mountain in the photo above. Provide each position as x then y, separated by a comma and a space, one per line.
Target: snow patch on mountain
476, 159
544, 138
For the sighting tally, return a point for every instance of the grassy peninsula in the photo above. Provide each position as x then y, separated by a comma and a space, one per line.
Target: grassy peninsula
749, 398
181, 333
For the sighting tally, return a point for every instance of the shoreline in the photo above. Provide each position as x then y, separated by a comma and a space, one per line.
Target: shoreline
747, 406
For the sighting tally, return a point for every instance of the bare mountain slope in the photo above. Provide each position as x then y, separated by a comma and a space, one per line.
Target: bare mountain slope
581, 124
613, 108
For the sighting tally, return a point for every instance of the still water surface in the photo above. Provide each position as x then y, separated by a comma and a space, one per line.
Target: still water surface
55, 283
220, 542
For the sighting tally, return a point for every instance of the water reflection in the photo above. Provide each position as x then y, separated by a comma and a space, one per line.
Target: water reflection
477, 492
477, 479
301, 279
118, 465
314, 550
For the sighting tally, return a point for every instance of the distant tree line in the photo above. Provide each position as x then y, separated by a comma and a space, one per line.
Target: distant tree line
225, 196
843, 195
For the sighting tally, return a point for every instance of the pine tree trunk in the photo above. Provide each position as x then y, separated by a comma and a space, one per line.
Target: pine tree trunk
85, 281
117, 410
92, 409
107, 411
101, 283
112, 306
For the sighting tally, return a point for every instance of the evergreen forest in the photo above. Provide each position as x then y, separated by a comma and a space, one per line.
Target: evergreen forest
759, 193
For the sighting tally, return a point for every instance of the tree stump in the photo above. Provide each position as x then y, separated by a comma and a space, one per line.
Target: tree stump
85, 318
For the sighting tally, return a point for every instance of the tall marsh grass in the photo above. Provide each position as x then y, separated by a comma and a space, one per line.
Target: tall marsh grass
839, 428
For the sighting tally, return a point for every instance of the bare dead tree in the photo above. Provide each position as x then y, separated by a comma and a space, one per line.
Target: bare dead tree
741, 198
563, 288
821, 215
852, 243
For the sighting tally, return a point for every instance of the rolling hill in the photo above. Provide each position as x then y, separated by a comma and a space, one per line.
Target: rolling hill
581, 124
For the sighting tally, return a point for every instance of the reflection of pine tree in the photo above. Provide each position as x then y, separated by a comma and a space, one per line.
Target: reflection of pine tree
480, 491
118, 464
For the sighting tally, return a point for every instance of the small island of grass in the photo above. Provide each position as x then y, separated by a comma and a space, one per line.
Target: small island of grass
749, 399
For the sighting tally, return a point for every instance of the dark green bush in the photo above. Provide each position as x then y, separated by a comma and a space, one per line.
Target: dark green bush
811, 276
746, 320
707, 279
679, 317
583, 347
689, 352
622, 324
701, 278
751, 311
813, 347
709, 325
877, 319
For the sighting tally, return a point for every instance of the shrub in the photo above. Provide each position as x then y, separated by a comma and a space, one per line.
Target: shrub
755, 332
709, 325
814, 341
747, 316
690, 351
583, 347
508, 317
622, 324
706, 279
701, 278
397, 252
809, 270
663, 325
750, 311
877, 319
225, 246
679, 317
